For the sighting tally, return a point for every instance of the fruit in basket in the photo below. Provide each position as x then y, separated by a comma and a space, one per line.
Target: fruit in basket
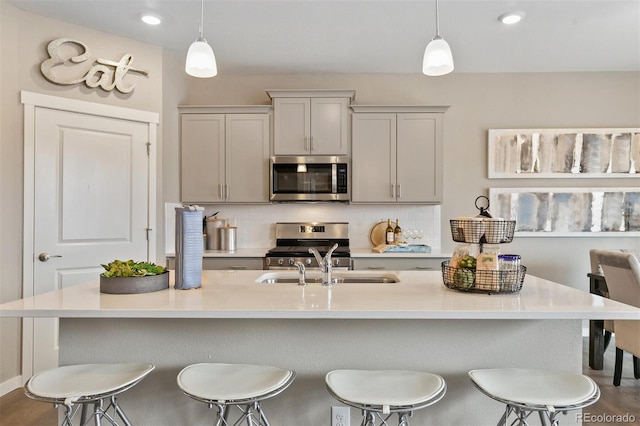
467, 262
463, 278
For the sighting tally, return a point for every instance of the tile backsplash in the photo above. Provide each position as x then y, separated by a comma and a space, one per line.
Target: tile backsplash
256, 223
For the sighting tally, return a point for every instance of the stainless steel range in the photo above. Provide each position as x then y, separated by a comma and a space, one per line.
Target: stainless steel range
293, 240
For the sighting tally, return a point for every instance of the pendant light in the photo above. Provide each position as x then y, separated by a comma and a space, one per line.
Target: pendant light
438, 59
201, 62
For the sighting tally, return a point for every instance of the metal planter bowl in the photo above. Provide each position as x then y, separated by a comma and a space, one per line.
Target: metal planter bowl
133, 285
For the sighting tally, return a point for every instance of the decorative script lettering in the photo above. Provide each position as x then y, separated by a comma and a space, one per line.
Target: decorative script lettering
103, 73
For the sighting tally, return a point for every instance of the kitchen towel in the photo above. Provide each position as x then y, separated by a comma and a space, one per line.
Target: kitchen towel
189, 247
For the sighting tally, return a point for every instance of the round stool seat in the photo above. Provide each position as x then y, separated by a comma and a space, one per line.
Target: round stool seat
227, 385
86, 381
535, 387
76, 386
225, 382
386, 390
525, 391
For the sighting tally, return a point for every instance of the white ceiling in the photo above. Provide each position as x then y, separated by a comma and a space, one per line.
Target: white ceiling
375, 36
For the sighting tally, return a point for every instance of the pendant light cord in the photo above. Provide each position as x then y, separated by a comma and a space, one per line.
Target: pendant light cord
437, 21
202, 19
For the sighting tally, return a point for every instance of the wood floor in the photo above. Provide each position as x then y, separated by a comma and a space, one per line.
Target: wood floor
17, 410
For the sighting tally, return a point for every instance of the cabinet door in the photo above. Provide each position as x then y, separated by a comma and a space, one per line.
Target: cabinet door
373, 161
419, 158
399, 264
329, 126
233, 263
247, 158
291, 126
202, 157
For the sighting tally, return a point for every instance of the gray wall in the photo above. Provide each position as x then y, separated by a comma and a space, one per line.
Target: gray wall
478, 102
23, 40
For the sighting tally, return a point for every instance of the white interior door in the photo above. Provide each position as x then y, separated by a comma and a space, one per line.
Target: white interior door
91, 204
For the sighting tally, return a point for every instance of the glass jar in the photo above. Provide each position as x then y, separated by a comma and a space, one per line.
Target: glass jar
509, 262
509, 265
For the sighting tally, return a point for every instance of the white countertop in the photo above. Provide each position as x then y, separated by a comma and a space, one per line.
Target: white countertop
355, 253
236, 294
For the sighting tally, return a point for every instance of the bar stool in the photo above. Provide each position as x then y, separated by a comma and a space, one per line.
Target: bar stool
382, 393
239, 385
76, 386
525, 391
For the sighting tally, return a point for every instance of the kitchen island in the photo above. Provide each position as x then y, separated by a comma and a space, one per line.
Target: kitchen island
416, 323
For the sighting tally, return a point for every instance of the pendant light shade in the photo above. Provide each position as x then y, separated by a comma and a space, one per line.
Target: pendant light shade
438, 59
201, 62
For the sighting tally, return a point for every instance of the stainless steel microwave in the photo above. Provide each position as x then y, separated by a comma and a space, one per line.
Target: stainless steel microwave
310, 178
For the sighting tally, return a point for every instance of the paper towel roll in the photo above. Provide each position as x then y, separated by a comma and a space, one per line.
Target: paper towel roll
189, 247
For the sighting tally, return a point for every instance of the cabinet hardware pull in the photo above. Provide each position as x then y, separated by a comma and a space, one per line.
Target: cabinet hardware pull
306, 143
376, 267
311, 144
227, 192
220, 194
393, 191
399, 191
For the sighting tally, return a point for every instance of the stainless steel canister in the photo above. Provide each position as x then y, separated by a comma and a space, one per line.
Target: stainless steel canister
213, 236
228, 236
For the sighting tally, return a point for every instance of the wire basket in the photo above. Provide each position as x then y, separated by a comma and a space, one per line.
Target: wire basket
490, 231
481, 281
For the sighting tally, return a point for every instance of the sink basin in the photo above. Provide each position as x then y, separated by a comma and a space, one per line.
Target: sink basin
336, 278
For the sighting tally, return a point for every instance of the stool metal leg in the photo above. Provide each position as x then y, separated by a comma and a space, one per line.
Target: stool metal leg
68, 415
252, 414
263, 416
368, 418
403, 418
119, 411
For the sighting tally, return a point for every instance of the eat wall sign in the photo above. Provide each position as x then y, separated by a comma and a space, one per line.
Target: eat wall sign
64, 67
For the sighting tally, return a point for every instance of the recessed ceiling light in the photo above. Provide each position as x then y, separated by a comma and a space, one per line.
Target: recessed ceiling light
511, 18
150, 19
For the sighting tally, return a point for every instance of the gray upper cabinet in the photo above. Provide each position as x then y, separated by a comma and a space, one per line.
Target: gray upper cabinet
397, 154
311, 122
225, 154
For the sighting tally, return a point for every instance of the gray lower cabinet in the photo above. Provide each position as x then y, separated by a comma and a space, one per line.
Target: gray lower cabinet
226, 263
398, 264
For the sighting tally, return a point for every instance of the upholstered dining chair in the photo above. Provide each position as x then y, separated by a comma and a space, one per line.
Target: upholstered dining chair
597, 269
622, 273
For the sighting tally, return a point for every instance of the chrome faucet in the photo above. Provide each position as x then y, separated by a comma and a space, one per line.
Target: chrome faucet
302, 278
324, 264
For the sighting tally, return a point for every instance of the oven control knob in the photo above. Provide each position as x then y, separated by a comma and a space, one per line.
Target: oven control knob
336, 262
308, 262
280, 262
291, 261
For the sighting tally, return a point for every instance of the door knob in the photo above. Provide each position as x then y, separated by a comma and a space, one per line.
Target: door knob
43, 257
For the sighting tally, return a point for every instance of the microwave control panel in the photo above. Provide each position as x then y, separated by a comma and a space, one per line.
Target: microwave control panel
342, 179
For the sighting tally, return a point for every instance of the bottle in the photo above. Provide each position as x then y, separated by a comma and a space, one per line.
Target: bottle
389, 233
397, 233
